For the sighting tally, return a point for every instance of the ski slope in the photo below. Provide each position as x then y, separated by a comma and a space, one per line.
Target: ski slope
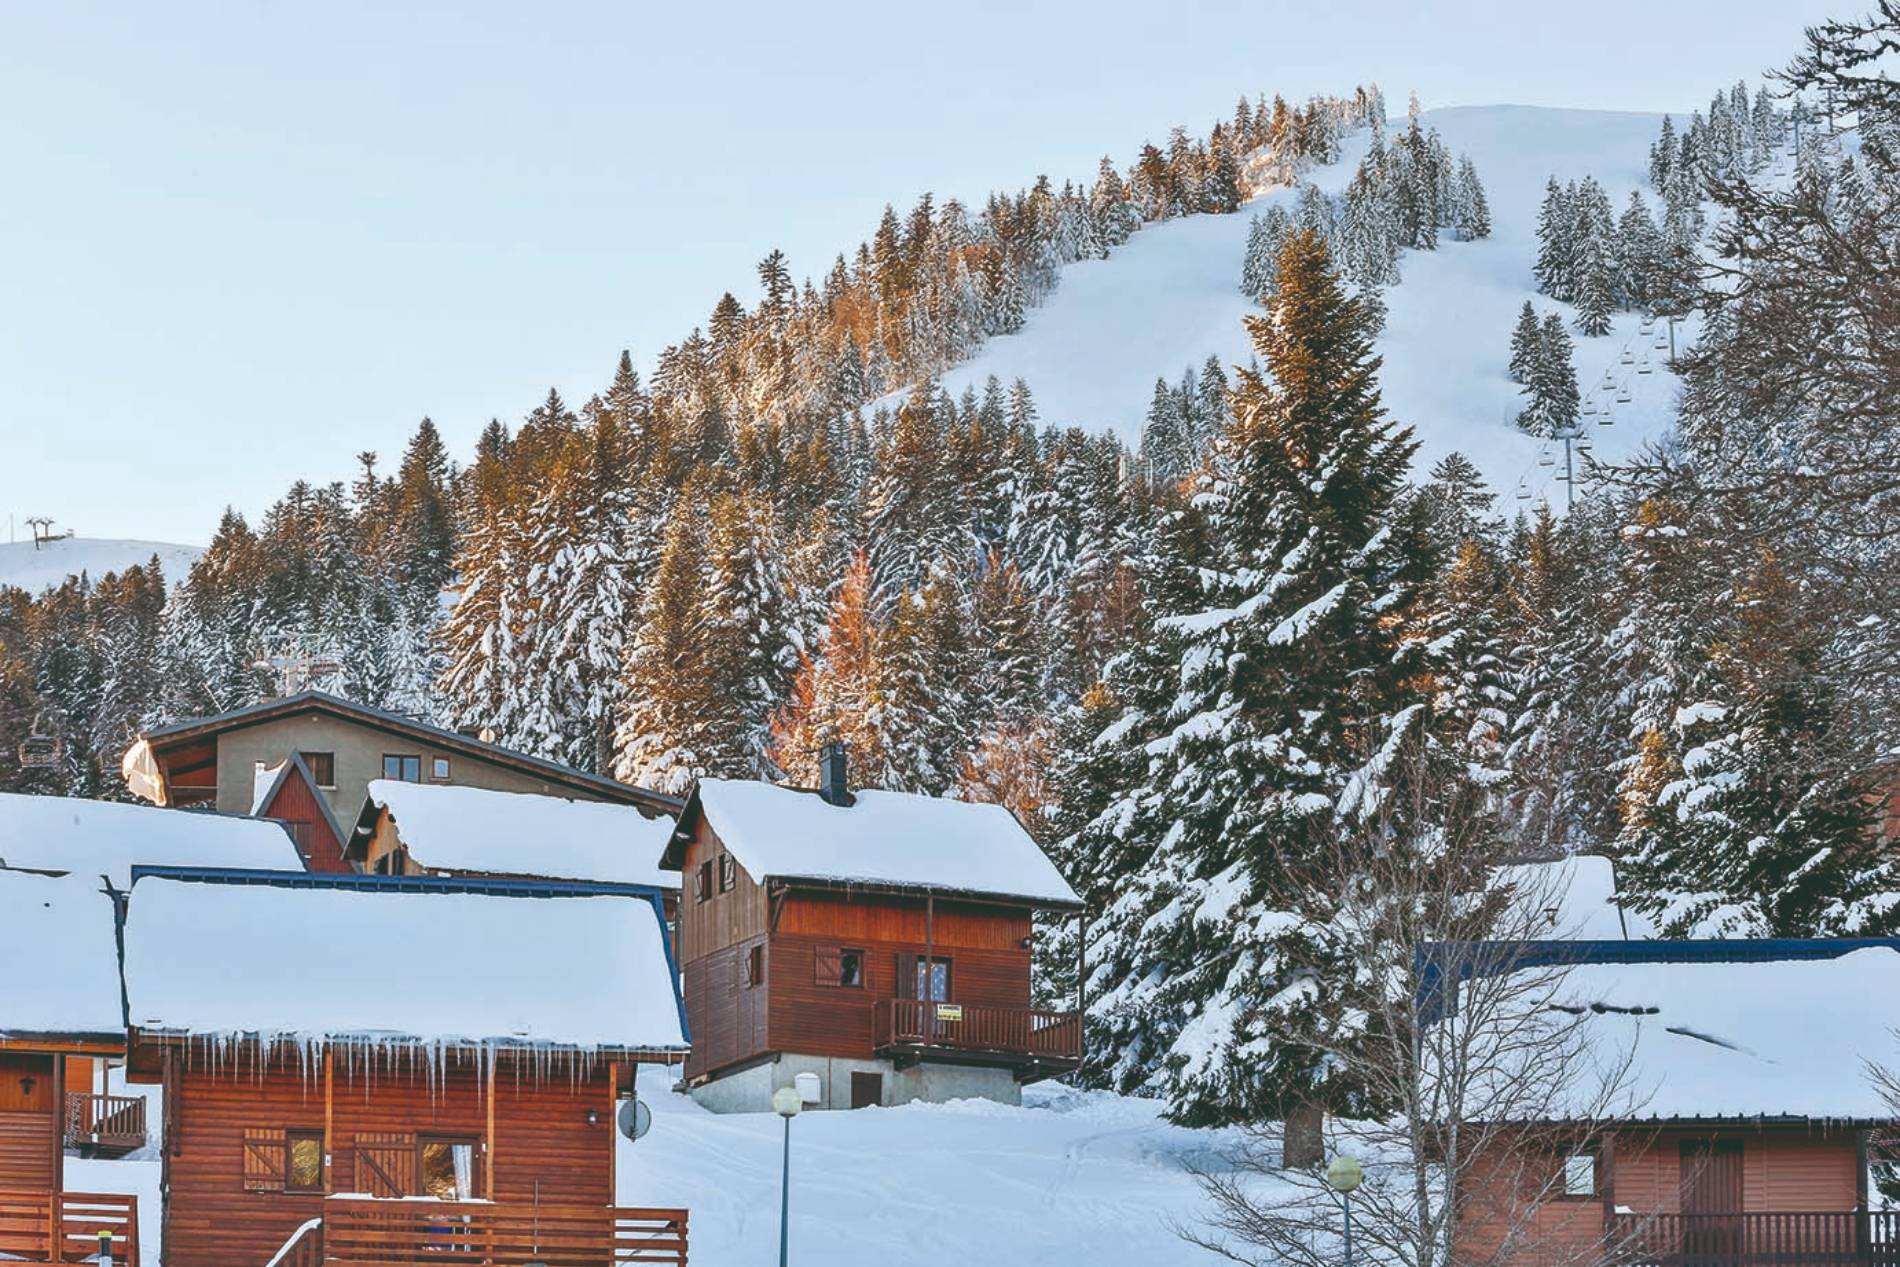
1071, 1179
1170, 297
36, 569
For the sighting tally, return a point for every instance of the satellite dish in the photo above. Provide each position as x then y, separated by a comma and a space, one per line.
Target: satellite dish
634, 1119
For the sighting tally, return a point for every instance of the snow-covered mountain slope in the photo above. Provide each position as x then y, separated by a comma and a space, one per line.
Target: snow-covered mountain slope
1071, 1178
52, 563
1170, 297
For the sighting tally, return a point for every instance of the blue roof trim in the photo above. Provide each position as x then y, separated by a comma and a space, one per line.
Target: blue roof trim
493, 885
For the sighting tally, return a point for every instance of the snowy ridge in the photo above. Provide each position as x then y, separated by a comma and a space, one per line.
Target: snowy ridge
36, 569
1170, 297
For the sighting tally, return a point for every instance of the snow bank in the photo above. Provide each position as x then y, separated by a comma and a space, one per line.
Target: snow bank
890, 838
453, 828
94, 838
1071, 1179
58, 940
1788, 1038
34, 570
1577, 896
330, 964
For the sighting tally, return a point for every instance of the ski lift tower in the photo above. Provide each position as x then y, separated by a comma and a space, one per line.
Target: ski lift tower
43, 534
1572, 438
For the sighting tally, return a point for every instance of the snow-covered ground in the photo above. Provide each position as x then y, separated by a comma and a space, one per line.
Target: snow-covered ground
1071, 1178
1170, 298
34, 570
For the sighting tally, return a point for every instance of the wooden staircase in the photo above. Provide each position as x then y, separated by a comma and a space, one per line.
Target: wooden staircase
371, 1232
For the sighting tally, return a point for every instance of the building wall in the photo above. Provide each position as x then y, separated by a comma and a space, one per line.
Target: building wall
29, 1122
750, 1090
359, 758
297, 806
540, 1134
1783, 1170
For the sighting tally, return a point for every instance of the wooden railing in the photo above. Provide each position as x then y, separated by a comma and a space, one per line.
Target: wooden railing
361, 1232
1016, 1031
65, 1227
1787, 1239
115, 1121
303, 1249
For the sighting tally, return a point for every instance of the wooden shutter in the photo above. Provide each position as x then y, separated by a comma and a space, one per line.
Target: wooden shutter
264, 1159
828, 965
907, 976
386, 1164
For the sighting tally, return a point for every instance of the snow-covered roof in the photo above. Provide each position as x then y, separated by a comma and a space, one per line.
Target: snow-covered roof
1785, 1038
882, 838
1577, 896
348, 964
57, 935
94, 838
455, 828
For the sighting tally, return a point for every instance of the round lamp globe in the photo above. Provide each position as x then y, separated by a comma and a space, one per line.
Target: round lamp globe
786, 1102
1344, 1174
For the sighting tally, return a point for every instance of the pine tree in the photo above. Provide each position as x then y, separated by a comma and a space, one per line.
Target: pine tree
666, 689
1552, 397
1556, 225
1474, 210
1526, 343
1199, 954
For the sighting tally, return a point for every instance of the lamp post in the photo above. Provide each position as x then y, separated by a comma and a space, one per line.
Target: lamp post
786, 1102
1342, 1177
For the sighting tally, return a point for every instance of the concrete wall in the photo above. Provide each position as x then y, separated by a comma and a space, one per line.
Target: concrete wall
359, 758
750, 1090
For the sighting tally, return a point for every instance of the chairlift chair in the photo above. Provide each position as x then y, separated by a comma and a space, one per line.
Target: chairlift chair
1607, 419
1545, 459
1645, 368
1629, 358
1623, 397
38, 750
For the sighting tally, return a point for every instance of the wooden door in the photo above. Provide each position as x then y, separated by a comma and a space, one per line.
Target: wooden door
29, 1122
1711, 1202
867, 1090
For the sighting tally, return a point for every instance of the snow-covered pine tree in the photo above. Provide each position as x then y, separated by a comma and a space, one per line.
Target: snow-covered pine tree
665, 685
1474, 209
1290, 687
744, 626
835, 695
1526, 343
1552, 398
1556, 242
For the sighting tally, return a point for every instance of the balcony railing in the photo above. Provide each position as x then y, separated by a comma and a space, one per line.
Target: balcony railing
65, 1227
1782, 1239
1053, 1038
108, 1123
364, 1232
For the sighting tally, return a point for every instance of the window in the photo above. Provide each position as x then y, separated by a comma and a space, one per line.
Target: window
402, 768
446, 1168
303, 1161
728, 873
702, 883
322, 767
439, 769
840, 966
1580, 1175
755, 965
932, 982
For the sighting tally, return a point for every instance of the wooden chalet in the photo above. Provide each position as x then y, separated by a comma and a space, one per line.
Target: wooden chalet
61, 1022
419, 829
1750, 1119
878, 940
391, 1071
214, 761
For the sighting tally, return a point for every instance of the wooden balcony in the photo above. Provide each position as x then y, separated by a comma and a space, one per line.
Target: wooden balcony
105, 1125
1794, 1239
1034, 1043
65, 1227
364, 1232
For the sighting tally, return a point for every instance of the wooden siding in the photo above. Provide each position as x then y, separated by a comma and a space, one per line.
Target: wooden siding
1783, 1170
297, 807
726, 1014
538, 1131
29, 1123
723, 919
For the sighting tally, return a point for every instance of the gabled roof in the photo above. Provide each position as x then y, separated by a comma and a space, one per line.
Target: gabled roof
882, 840
1768, 1030
395, 723
109, 838
272, 782
59, 938
357, 961
457, 828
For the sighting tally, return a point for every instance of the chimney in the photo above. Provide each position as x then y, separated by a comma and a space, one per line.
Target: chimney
834, 783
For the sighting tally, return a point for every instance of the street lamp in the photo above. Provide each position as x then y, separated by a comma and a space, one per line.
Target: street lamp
1342, 1177
786, 1102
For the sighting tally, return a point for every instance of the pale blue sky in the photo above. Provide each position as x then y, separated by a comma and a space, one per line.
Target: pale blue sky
239, 243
